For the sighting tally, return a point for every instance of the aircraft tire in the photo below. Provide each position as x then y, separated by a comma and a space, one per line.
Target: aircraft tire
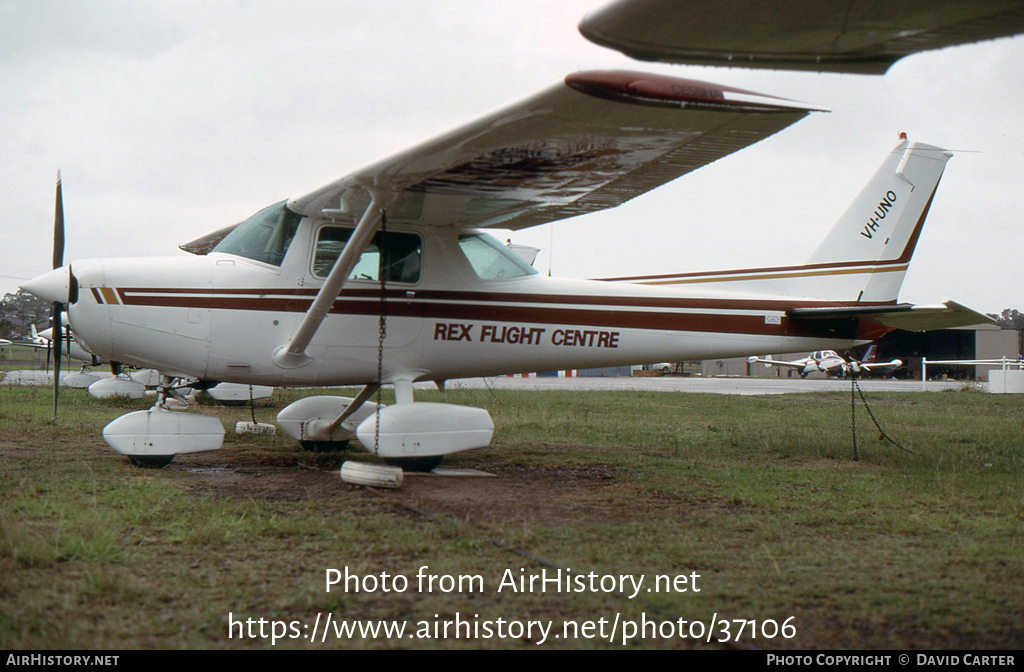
324, 446
415, 463
153, 462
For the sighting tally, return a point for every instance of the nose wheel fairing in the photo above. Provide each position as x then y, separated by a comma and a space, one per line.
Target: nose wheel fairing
158, 432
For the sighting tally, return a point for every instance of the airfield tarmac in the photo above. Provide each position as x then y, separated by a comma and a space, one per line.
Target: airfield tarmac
715, 385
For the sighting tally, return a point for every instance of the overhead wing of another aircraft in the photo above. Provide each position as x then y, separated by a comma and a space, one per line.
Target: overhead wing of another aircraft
591, 142
856, 36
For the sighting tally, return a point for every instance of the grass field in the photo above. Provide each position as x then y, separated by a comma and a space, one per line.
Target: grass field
760, 498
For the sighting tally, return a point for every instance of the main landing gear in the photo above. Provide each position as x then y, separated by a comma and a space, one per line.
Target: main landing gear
419, 464
324, 446
412, 435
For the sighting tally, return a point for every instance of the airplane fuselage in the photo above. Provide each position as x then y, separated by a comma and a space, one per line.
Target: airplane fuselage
221, 316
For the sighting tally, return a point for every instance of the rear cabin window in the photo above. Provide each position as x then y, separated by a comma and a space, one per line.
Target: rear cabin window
398, 259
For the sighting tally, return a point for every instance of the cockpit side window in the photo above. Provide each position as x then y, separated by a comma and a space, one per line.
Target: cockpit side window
264, 237
491, 260
400, 262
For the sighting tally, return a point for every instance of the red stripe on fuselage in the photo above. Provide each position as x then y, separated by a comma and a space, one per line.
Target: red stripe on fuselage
504, 307
302, 297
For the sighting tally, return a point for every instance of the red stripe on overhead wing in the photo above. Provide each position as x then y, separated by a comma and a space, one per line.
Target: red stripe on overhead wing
644, 88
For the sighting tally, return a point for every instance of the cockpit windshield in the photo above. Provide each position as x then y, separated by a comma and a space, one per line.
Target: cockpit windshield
263, 237
491, 260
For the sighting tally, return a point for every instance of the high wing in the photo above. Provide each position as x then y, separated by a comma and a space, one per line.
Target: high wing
590, 142
857, 36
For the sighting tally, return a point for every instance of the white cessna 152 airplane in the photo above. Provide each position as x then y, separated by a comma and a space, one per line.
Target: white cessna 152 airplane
387, 276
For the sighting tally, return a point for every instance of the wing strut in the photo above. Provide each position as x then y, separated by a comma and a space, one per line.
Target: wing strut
356, 404
294, 355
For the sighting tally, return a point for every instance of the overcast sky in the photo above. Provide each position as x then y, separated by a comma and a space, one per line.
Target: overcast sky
172, 119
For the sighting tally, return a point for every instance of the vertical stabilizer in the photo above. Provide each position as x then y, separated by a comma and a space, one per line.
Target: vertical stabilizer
866, 253
879, 231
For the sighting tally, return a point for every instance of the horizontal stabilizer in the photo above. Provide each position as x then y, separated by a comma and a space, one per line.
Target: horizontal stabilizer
902, 316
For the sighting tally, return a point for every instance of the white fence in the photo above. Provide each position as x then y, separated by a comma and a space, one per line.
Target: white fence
1006, 364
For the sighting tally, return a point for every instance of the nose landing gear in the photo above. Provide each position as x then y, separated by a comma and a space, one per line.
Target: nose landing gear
153, 437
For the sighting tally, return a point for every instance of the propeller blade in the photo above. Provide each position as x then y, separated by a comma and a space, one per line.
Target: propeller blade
58, 227
67, 342
57, 335
58, 340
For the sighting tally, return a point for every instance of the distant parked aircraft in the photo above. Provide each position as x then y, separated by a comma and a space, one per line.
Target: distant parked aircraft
43, 339
831, 363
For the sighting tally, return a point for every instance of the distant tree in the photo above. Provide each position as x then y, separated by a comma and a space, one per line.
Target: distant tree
21, 308
1010, 318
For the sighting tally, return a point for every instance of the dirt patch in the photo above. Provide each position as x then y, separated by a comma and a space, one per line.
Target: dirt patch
533, 496
268, 483
528, 495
